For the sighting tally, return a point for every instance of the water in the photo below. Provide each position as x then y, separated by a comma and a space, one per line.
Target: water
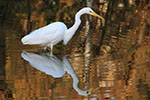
112, 61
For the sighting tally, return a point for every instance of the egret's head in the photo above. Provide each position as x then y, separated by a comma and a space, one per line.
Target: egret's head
88, 10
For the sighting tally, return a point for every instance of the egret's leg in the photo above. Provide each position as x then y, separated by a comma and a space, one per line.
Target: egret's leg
51, 49
45, 48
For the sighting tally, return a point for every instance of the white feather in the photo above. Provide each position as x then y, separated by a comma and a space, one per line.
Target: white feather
52, 33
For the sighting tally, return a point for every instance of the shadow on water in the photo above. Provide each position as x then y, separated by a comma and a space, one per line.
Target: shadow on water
113, 60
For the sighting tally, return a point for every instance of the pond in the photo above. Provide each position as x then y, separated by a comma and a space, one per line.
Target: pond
100, 62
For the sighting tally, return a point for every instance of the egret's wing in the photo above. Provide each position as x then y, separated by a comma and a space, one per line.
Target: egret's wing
48, 34
41, 35
46, 30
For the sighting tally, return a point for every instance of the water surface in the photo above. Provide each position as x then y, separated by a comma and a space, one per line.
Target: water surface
113, 61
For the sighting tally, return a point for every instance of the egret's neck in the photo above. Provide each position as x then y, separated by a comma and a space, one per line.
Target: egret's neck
77, 22
71, 31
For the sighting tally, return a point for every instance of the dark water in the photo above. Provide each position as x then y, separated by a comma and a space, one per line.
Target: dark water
111, 61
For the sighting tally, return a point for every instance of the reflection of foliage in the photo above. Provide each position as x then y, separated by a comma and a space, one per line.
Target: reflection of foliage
143, 89
45, 10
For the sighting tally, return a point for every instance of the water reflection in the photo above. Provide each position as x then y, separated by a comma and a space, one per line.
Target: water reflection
53, 66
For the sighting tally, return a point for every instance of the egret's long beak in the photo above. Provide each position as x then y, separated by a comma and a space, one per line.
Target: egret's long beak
98, 16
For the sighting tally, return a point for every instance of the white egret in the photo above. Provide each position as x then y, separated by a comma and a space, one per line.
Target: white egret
55, 32
53, 66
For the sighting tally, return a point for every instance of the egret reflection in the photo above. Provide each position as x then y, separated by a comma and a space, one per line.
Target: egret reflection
52, 65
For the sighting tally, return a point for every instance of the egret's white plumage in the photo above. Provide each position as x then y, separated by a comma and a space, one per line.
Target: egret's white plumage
50, 34
54, 33
53, 66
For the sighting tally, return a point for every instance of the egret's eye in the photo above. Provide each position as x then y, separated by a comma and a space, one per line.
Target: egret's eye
90, 11
87, 92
